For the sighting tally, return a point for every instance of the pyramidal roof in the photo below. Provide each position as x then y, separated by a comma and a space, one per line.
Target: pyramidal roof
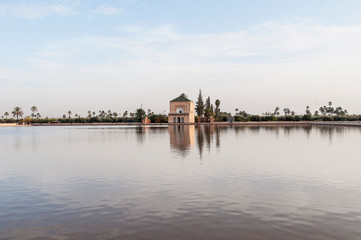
181, 98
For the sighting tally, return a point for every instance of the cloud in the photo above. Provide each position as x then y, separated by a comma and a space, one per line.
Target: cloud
108, 10
266, 43
285, 65
36, 10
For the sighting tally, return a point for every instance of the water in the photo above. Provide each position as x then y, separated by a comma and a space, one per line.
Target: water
180, 182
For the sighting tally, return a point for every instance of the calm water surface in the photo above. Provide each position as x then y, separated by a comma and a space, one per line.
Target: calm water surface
180, 182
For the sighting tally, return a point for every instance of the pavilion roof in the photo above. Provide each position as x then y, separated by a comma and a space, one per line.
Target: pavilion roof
181, 98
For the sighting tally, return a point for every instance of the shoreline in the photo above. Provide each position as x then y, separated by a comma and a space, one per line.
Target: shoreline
252, 124
246, 124
12, 125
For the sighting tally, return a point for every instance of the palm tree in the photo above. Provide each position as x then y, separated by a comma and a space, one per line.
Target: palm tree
93, 114
277, 111
17, 112
6, 114
69, 112
125, 114
218, 103
236, 110
322, 110
330, 108
34, 109
102, 113
89, 114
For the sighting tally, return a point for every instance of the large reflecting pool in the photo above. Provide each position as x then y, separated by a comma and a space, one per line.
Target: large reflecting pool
180, 182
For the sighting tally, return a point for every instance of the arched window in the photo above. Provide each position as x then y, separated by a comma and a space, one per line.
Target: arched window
182, 119
174, 120
180, 110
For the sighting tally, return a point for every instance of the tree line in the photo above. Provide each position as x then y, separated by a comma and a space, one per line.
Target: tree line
203, 108
100, 116
324, 113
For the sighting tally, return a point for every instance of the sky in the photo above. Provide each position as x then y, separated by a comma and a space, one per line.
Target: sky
118, 55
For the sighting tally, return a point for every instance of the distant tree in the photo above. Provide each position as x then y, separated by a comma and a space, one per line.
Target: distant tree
110, 114
17, 112
308, 112
115, 114
207, 112
102, 113
6, 114
277, 111
93, 114
140, 115
64, 116
208, 108
200, 104
217, 111
27, 120
330, 109
316, 113
267, 113
287, 111
33, 109
243, 113
236, 110
69, 113
208, 102
125, 114
89, 114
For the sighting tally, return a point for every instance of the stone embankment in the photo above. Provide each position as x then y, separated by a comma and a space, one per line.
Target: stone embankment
270, 124
283, 123
9, 125
340, 123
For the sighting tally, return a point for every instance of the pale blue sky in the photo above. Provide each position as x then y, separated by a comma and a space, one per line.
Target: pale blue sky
254, 55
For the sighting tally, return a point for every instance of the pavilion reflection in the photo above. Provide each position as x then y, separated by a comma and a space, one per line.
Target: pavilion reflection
184, 137
181, 138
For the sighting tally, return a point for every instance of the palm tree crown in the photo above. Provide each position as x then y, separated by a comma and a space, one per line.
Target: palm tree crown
17, 112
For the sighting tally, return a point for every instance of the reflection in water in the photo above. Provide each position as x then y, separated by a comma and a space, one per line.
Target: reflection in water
124, 183
181, 138
205, 137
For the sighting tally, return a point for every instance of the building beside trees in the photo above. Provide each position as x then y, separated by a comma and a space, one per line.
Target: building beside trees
181, 110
